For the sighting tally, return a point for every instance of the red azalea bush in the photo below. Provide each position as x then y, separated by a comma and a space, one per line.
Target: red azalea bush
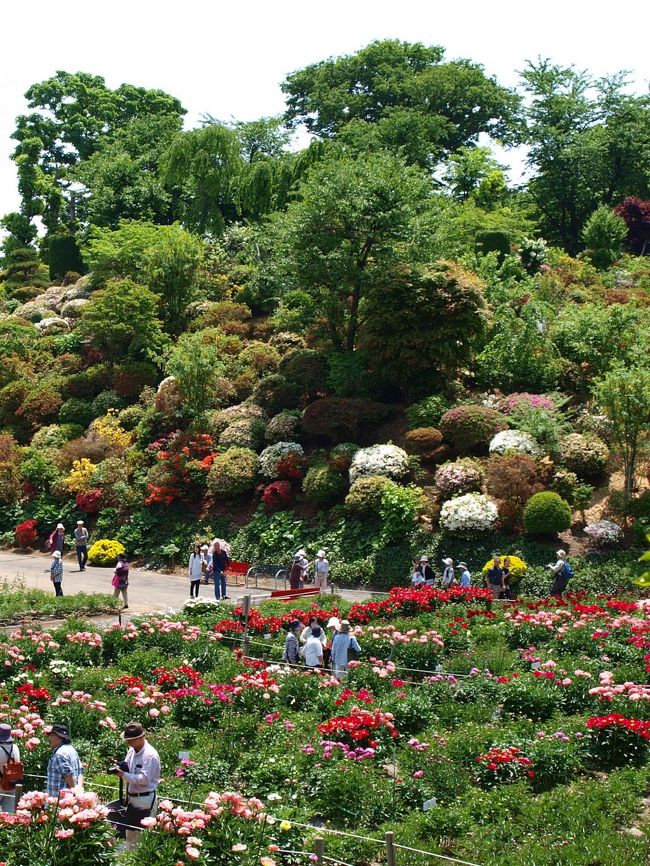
181, 468
615, 740
26, 533
89, 501
278, 495
502, 764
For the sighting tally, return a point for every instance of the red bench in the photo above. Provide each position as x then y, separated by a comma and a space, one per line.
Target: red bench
236, 570
291, 594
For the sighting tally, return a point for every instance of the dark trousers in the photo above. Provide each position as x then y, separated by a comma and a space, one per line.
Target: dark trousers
219, 585
194, 588
58, 589
82, 556
559, 585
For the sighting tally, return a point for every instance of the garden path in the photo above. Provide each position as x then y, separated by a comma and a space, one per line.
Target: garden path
149, 591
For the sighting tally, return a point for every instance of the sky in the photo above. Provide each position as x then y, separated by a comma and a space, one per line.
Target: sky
228, 60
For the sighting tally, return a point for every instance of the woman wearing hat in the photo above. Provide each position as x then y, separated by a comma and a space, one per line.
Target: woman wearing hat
321, 571
56, 572
448, 576
121, 579
9, 755
56, 541
195, 569
427, 571
295, 573
141, 771
291, 653
342, 643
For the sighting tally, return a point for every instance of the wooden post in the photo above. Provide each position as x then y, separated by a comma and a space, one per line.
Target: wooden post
319, 847
18, 794
246, 607
390, 849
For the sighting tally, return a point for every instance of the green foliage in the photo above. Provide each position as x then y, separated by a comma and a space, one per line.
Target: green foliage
233, 473
307, 369
604, 233
545, 427
493, 242
366, 495
275, 393
323, 486
547, 513
586, 455
336, 419
399, 511
75, 411
196, 366
64, 256
428, 411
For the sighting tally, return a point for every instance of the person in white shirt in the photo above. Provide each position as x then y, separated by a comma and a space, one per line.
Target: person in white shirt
195, 570
81, 544
465, 576
141, 772
8, 752
561, 573
307, 630
304, 563
448, 576
321, 571
312, 651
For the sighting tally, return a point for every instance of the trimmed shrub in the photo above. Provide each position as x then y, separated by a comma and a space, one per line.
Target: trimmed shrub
512, 479
423, 441
130, 417
271, 457
284, 427
106, 400
285, 341
341, 457
428, 412
129, 379
547, 513
388, 460
278, 495
222, 418
245, 433
515, 441
467, 514
63, 256
512, 402
274, 393
564, 482
89, 501
493, 242
584, 454
323, 486
75, 411
260, 357
306, 368
26, 533
458, 477
471, 428
604, 533
333, 419
104, 552
233, 473
365, 496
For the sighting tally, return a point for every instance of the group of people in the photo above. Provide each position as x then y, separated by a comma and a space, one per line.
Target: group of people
299, 573
209, 562
310, 646
140, 769
424, 575
56, 544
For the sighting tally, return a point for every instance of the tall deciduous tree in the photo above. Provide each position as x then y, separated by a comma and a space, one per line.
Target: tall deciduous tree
411, 98
624, 395
195, 364
353, 219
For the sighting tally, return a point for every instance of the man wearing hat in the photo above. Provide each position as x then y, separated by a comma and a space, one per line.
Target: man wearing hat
81, 544
9, 753
56, 572
321, 571
291, 653
561, 571
141, 771
64, 768
295, 573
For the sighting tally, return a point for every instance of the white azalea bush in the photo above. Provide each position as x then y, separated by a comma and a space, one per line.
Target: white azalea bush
387, 460
517, 441
271, 456
604, 533
473, 512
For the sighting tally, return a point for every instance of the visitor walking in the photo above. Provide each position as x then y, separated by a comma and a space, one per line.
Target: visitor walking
195, 570
141, 771
448, 575
56, 541
220, 563
56, 572
465, 576
64, 770
562, 571
295, 573
321, 571
81, 544
342, 645
120, 581
312, 651
10, 770
206, 563
494, 578
291, 653
304, 564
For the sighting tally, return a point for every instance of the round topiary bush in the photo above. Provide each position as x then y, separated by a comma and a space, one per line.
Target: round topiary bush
130, 417
104, 552
512, 402
471, 428
105, 401
341, 457
323, 486
515, 441
423, 441
272, 456
366, 494
458, 477
274, 393
245, 433
547, 513
284, 427
585, 454
306, 368
222, 418
468, 514
233, 473
76, 411
604, 533
388, 460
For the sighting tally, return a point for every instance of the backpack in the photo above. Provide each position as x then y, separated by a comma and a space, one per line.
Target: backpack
567, 571
12, 772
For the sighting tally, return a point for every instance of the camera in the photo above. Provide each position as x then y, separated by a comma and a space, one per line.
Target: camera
117, 766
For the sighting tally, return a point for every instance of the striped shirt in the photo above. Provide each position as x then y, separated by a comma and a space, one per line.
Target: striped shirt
63, 762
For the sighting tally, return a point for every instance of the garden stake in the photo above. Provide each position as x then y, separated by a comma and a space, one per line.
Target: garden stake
390, 849
245, 611
319, 848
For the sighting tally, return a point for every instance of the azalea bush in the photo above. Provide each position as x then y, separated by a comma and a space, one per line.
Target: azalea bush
547, 513
271, 457
455, 478
26, 533
233, 473
385, 460
470, 513
604, 533
584, 454
517, 567
512, 402
470, 428
516, 441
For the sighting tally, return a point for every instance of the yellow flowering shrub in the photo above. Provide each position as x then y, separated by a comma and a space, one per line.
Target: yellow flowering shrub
104, 552
111, 431
80, 475
517, 567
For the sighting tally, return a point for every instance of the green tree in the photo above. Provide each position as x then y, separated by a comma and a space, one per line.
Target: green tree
624, 396
195, 365
353, 218
411, 99
469, 169
72, 113
164, 258
122, 321
603, 234
419, 321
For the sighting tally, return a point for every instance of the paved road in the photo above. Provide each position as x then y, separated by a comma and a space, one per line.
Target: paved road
149, 591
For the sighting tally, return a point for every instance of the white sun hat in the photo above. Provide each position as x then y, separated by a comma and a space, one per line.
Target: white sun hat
320, 553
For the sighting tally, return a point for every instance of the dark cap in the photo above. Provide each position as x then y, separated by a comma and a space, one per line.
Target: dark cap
294, 624
133, 731
60, 730
316, 632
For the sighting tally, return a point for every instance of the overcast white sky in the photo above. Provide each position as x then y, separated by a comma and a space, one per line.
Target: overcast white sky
228, 59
